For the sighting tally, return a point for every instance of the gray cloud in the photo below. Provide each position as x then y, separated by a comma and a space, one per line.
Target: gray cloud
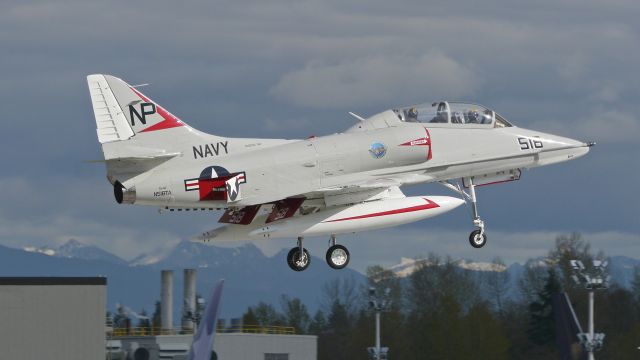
367, 81
605, 126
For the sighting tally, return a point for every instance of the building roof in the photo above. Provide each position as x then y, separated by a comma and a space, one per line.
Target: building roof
53, 280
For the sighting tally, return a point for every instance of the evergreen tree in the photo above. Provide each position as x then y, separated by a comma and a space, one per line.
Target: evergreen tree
532, 281
156, 318
338, 333
541, 322
344, 290
363, 335
567, 248
295, 314
635, 285
318, 324
498, 285
249, 319
266, 315
484, 336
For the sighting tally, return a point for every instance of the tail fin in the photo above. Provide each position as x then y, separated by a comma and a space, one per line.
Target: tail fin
116, 104
130, 125
203, 342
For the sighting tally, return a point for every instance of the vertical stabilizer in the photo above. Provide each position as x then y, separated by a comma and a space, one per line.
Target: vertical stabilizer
203, 341
131, 125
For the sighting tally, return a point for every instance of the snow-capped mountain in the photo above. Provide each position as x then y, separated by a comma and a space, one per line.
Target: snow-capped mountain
408, 266
200, 256
77, 250
621, 268
150, 258
251, 276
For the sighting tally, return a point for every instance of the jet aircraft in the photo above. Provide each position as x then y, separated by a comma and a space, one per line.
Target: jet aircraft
327, 185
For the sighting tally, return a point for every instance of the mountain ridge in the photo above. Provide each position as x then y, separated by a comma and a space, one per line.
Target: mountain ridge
251, 276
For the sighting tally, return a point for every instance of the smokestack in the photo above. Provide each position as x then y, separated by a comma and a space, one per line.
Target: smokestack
166, 305
189, 304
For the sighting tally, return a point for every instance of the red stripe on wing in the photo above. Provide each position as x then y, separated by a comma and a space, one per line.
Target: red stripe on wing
429, 205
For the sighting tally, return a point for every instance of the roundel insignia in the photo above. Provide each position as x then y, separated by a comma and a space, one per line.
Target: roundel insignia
377, 150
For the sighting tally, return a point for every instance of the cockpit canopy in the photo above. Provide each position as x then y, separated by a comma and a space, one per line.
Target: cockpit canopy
453, 114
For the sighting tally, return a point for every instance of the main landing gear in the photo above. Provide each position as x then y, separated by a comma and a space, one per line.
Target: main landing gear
298, 257
478, 237
337, 256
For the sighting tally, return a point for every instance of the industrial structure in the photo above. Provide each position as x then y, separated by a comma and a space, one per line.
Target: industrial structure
52, 317
235, 341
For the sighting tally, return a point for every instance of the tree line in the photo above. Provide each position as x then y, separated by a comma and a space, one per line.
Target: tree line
442, 311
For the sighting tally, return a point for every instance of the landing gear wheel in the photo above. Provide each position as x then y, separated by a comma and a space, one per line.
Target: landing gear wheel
297, 262
477, 239
337, 257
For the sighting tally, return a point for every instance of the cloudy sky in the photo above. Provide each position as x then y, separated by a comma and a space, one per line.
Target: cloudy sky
295, 68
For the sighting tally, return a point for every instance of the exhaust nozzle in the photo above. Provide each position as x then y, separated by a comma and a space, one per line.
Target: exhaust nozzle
124, 195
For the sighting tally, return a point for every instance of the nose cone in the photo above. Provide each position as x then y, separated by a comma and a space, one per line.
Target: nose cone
571, 147
554, 149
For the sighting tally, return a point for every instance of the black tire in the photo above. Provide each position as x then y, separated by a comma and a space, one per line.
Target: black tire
292, 259
476, 240
343, 257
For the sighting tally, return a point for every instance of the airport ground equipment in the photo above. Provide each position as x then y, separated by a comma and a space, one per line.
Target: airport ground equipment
378, 303
594, 278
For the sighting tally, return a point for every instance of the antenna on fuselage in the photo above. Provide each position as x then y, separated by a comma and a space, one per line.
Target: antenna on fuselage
357, 116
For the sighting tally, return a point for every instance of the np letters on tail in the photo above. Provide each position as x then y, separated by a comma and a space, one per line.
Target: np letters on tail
146, 108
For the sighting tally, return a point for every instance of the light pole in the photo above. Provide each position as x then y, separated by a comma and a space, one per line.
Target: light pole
378, 303
592, 279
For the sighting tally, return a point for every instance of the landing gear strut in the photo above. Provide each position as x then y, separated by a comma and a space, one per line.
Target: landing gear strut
298, 258
337, 255
477, 238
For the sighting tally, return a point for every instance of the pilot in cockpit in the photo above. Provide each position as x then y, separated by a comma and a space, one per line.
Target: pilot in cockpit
441, 114
412, 115
473, 117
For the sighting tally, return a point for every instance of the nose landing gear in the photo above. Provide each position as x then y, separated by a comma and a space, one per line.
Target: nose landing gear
478, 237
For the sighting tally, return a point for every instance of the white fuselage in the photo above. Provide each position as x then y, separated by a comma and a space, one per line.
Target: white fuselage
304, 166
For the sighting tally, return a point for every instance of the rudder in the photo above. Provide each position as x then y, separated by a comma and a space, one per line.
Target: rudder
111, 123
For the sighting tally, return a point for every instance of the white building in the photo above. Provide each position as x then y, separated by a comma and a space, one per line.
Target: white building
52, 318
232, 346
